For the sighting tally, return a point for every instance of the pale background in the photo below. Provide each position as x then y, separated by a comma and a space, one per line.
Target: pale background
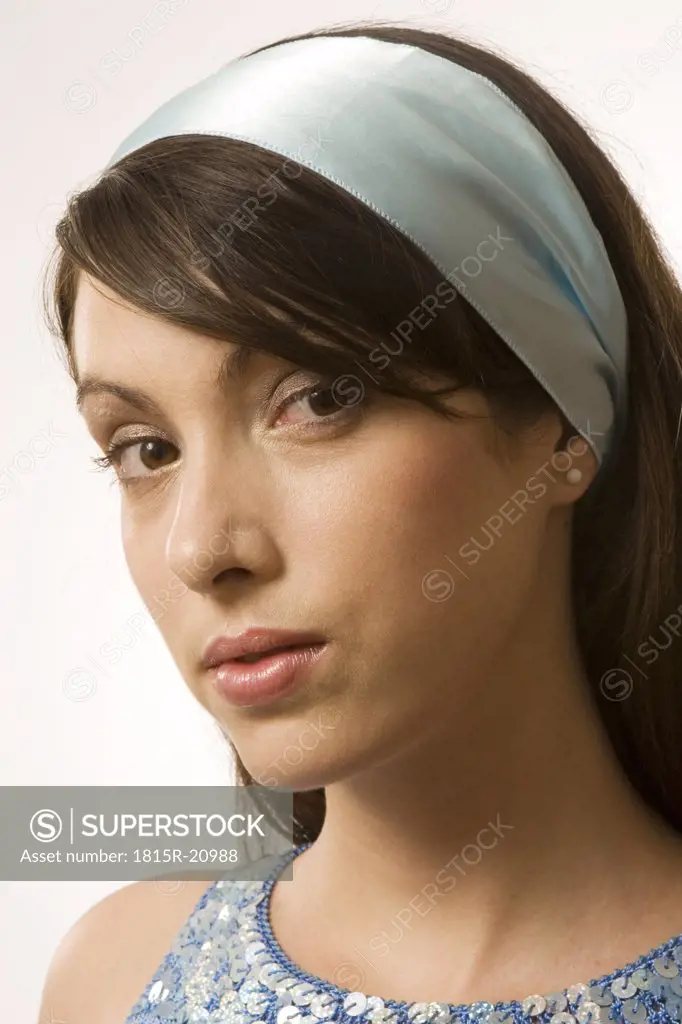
69, 715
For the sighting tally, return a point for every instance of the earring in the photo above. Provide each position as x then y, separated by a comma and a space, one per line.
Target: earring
574, 476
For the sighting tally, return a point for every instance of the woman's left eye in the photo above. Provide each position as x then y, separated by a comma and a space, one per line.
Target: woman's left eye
323, 401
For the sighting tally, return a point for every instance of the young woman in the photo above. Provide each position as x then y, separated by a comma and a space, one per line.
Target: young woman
388, 363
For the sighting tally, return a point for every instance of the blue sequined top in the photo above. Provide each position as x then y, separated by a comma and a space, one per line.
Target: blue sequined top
226, 967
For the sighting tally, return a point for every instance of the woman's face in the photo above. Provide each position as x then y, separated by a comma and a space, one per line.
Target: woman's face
405, 539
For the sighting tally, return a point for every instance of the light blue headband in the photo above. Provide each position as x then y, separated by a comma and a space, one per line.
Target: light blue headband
443, 155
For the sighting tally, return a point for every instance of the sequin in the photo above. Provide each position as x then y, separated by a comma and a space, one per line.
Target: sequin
419, 1013
322, 1006
533, 1006
377, 1011
155, 991
238, 969
660, 987
600, 994
640, 978
666, 967
283, 984
499, 1017
634, 1011
163, 1009
588, 1012
355, 1003
253, 951
289, 1015
623, 988
225, 967
235, 1015
255, 1002
302, 994
674, 1008
269, 973
575, 993
383, 1016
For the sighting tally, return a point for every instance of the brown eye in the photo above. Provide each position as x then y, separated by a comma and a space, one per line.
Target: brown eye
323, 402
315, 403
155, 453
141, 457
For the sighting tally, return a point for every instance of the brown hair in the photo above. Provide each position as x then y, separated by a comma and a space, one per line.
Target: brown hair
320, 279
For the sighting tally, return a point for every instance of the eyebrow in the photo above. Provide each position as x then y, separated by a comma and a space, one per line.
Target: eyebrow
233, 367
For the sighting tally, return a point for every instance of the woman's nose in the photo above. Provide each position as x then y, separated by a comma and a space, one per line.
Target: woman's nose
211, 542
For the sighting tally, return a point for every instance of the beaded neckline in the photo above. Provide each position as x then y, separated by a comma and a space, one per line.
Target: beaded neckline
629, 989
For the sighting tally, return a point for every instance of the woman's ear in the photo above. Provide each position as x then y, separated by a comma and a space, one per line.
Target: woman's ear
576, 466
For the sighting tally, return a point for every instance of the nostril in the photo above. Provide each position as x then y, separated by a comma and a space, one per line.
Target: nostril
234, 572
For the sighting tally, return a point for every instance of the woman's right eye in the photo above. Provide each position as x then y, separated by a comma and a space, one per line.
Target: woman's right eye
137, 458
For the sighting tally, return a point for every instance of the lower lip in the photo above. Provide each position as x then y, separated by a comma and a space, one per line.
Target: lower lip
258, 682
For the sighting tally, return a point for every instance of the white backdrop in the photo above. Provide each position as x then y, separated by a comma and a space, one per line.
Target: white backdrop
90, 695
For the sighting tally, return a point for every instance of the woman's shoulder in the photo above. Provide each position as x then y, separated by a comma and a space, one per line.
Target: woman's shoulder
105, 960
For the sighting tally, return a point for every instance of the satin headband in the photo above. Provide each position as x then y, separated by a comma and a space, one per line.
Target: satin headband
445, 157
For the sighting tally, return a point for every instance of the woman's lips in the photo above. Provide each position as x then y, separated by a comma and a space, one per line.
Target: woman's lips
274, 674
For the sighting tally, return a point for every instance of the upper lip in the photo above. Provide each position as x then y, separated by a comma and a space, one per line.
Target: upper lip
255, 641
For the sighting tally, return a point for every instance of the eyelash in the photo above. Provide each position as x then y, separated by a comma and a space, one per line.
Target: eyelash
111, 457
